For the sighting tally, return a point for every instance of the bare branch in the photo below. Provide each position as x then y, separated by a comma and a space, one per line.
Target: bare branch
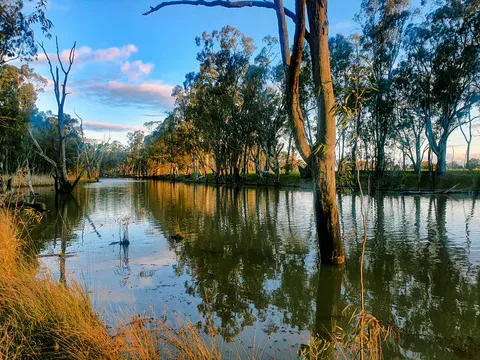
55, 79
40, 151
226, 4
58, 54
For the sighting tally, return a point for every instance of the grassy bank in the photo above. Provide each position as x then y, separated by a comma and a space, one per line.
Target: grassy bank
42, 319
20, 180
456, 180
251, 179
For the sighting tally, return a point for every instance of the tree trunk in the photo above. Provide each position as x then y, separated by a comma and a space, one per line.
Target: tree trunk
323, 162
380, 165
65, 186
442, 159
354, 157
287, 160
417, 166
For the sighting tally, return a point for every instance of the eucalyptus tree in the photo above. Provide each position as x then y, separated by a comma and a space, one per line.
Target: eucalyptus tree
321, 156
114, 160
17, 37
191, 138
136, 153
383, 23
341, 53
263, 104
447, 58
468, 135
224, 62
19, 87
409, 122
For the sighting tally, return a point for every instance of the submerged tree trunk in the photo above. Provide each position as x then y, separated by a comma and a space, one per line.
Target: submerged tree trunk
323, 161
328, 309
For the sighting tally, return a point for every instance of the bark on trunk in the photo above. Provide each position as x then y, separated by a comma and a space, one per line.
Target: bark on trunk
442, 159
323, 162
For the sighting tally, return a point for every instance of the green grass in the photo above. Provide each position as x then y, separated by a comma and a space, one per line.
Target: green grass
409, 181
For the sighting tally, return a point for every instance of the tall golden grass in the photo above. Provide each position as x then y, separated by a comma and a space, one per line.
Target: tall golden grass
20, 180
43, 319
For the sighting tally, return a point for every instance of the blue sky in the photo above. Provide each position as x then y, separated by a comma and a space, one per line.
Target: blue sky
127, 64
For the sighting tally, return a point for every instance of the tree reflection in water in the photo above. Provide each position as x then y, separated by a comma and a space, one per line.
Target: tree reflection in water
249, 260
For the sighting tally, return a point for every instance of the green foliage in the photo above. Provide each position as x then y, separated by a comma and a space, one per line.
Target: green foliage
230, 109
17, 39
18, 93
473, 164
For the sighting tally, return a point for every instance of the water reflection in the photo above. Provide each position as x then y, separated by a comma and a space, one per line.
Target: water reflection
247, 267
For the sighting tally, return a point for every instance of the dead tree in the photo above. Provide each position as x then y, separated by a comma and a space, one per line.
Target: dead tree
62, 185
92, 162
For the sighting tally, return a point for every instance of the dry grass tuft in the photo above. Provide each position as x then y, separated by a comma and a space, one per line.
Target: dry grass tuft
363, 338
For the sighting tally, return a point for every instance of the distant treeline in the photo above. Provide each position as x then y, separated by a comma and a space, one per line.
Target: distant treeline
403, 84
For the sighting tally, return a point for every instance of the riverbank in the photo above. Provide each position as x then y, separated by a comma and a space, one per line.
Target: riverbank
406, 182
20, 180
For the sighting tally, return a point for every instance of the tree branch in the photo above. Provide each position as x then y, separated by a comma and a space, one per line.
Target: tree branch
40, 151
226, 4
293, 85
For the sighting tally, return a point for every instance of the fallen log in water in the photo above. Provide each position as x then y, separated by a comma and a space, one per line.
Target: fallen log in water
38, 206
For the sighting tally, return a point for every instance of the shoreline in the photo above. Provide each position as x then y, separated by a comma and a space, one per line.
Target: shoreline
398, 183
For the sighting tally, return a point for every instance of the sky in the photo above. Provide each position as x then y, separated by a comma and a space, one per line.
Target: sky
126, 64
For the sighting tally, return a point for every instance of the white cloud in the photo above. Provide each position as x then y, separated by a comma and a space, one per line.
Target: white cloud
102, 126
86, 54
135, 69
153, 95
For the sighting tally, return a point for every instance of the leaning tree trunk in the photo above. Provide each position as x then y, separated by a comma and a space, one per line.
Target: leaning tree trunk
323, 159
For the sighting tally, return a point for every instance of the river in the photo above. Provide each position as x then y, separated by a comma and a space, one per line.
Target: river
247, 267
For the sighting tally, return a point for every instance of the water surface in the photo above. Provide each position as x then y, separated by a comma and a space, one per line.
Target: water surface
247, 268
